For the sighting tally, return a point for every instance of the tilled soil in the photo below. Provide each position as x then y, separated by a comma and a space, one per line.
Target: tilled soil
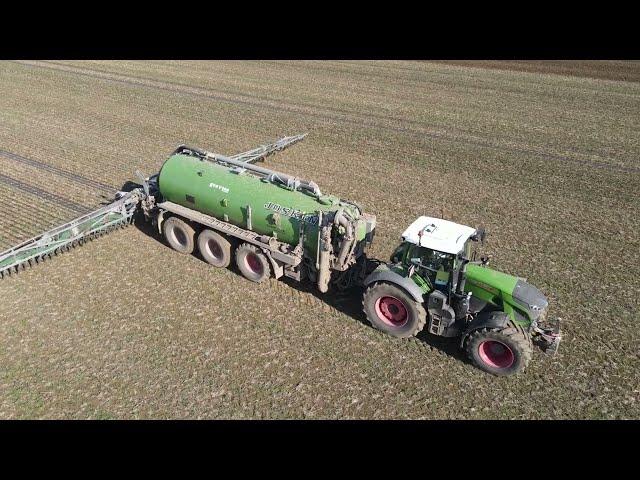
125, 327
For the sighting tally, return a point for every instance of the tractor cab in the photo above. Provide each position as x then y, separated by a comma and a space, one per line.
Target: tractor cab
437, 249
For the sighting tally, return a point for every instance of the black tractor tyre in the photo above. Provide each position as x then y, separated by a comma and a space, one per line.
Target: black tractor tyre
179, 235
214, 248
391, 309
502, 352
252, 263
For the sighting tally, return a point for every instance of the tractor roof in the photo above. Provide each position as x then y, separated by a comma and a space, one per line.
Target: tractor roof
438, 234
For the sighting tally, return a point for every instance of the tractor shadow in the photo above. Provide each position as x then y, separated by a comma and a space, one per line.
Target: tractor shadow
348, 302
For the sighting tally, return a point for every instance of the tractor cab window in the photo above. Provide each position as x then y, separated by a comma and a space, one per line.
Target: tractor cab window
398, 253
435, 265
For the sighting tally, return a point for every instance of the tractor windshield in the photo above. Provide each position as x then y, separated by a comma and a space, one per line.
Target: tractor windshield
398, 254
432, 258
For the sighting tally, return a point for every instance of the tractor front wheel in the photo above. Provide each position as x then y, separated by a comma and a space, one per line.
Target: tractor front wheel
501, 352
391, 309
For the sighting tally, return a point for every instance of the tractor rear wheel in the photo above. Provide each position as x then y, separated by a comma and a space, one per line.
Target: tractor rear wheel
252, 263
501, 352
179, 235
391, 309
214, 248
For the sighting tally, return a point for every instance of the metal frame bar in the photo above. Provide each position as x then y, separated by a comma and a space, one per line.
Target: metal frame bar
79, 228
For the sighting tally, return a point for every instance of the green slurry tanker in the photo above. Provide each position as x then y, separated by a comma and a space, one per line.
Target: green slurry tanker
273, 224
286, 225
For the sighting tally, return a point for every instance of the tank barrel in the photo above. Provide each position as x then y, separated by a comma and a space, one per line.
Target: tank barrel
314, 235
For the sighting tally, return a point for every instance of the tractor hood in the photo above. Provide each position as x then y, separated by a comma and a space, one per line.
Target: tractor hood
509, 288
491, 280
530, 298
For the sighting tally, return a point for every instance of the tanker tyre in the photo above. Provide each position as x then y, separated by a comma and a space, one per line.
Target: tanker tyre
179, 235
214, 248
501, 352
391, 309
252, 263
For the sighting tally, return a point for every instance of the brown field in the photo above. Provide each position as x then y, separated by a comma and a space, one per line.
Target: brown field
546, 157
604, 69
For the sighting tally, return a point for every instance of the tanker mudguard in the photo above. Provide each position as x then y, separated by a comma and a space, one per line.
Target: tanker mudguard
383, 274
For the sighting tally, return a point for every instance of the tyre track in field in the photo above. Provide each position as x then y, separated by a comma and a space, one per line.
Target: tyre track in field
74, 177
29, 217
17, 203
43, 194
577, 88
338, 116
424, 128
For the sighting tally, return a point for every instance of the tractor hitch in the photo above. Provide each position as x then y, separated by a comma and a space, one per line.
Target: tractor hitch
550, 337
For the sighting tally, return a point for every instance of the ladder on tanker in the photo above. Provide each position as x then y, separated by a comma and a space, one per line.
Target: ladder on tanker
117, 214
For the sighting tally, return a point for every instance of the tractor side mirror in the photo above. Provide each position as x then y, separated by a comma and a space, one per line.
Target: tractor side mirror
480, 235
483, 235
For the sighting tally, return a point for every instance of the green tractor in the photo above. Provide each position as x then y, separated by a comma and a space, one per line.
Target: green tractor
433, 279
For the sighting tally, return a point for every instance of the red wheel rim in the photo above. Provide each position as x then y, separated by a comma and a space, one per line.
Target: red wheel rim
214, 249
496, 354
391, 311
253, 263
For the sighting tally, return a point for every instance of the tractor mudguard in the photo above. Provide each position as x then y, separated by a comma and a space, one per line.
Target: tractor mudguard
385, 275
485, 320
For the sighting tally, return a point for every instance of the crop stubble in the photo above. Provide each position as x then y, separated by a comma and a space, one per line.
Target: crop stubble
124, 327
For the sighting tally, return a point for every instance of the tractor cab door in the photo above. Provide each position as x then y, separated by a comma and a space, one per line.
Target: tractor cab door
398, 254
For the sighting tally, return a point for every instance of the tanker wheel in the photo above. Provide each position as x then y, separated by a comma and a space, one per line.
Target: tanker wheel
252, 263
391, 309
214, 248
179, 234
501, 352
